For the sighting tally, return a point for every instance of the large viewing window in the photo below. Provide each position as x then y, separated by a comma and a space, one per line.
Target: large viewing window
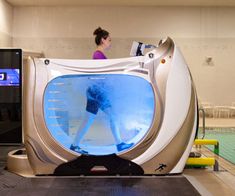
103, 104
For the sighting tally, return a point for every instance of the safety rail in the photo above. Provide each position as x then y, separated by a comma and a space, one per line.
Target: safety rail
199, 142
205, 161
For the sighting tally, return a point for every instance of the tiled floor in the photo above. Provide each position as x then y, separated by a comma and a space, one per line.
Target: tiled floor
210, 183
98, 186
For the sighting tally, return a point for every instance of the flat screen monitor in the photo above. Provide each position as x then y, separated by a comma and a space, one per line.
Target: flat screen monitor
9, 77
10, 96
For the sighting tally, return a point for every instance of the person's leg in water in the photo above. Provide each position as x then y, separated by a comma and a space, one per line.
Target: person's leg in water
115, 131
85, 125
92, 108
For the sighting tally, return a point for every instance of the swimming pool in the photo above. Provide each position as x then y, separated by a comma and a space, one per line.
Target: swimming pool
226, 138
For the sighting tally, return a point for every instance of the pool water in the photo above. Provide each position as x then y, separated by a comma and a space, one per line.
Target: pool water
226, 138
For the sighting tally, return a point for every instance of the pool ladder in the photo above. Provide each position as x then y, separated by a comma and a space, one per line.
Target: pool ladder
195, 159
203, 122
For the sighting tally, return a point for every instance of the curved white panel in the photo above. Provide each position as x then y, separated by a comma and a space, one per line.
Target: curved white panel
178, 96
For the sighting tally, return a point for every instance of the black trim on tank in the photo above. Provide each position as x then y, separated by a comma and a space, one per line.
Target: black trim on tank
90, 165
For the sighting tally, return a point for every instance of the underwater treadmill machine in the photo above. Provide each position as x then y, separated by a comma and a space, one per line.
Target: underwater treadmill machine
152, 102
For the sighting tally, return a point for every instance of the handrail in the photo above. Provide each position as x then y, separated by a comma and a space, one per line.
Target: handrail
203, 161
208, 142
203, 122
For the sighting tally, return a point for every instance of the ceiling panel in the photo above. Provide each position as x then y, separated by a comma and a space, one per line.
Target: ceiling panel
121, 2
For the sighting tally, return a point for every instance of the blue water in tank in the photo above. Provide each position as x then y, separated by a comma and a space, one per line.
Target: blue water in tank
69, 99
